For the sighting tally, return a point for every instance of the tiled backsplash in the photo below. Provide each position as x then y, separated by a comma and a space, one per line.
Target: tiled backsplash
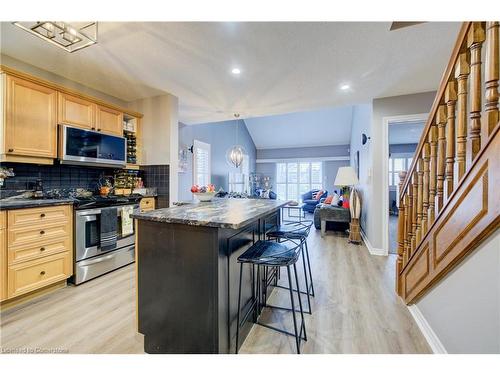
53, 176
158, 176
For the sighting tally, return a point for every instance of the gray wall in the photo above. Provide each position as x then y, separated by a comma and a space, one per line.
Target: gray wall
361, 123
330, 167
406, 148
372, 158
221, 136
463, 310
303, 152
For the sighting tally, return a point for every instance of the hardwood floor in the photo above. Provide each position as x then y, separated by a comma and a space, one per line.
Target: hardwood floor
355, 311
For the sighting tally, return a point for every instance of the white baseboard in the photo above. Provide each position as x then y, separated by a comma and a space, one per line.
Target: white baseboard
372, 250
436, 345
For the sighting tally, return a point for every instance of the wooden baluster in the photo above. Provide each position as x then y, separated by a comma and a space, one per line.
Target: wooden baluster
409, 222
420, 202
462, 75
407, 228
432, 173
475, 39
401, 228
414, 241
425, 188
491, 76
450, 98
441, 123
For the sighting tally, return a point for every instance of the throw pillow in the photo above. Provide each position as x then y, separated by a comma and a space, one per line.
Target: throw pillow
318, 195
335, 200
328, 199
265, 194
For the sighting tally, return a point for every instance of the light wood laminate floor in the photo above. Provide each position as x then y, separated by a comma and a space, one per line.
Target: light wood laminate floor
355, 311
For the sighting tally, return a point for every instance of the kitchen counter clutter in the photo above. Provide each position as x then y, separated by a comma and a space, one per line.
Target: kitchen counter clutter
219, 213
188, 274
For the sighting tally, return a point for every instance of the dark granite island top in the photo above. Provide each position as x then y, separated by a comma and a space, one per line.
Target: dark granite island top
188, 273
220, 213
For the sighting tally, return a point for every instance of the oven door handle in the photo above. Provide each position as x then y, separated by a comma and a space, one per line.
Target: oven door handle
100, 259
87, 218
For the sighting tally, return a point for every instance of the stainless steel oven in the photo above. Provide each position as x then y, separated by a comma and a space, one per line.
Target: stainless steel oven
90, 260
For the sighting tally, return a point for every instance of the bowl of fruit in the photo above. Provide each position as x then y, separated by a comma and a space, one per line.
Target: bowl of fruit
204, 193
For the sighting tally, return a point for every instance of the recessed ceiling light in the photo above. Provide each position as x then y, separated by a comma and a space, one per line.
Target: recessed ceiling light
235, 71
345, 87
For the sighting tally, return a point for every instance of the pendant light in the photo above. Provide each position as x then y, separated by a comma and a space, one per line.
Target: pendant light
236, 153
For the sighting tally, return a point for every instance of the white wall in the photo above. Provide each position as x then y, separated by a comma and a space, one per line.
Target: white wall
463, 309
160, 135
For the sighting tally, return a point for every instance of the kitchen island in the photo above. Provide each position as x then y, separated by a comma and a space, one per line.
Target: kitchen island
187, 272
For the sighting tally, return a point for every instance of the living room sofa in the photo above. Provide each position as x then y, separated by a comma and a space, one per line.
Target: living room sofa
327, 213
310, 203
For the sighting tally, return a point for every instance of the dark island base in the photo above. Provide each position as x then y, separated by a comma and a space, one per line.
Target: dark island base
188, 284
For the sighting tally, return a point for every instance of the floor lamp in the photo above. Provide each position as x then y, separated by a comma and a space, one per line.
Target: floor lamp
346, 176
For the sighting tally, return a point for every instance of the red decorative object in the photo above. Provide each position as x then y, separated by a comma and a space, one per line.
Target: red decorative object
345, 203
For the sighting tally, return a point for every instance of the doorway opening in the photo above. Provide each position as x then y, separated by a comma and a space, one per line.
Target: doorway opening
403, 136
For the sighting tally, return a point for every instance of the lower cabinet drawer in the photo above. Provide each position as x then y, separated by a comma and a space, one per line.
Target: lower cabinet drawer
39, 250
147, 204
36, 235
28, 276
38, 216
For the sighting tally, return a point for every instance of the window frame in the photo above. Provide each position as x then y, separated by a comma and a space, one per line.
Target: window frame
197, 146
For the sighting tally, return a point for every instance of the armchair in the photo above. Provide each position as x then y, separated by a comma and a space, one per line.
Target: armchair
310, 203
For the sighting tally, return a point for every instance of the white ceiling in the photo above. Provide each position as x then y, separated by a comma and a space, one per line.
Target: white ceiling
302, 129
405, 132
286, 66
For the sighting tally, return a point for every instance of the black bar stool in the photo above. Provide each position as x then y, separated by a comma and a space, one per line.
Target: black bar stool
271, 254
297, 231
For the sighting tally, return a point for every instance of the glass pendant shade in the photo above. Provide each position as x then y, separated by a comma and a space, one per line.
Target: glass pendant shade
235, 155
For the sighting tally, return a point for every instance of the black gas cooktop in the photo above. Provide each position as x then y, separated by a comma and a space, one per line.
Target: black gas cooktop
107, 201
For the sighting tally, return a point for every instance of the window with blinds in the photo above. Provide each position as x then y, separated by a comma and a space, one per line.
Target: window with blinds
201, 163
296, 178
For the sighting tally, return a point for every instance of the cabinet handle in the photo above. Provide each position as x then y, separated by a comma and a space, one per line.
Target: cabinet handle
11, 150
98, 130
42, 232
42, 215
92, 128
42, 249
42, 273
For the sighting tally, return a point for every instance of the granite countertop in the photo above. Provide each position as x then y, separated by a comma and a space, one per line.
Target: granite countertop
11, 204
220, 213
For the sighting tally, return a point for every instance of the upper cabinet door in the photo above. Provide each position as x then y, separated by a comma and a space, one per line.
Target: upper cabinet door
109, 120
30, 119
76, 111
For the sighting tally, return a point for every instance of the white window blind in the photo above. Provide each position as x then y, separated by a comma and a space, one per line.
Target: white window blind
296, 178
201, 163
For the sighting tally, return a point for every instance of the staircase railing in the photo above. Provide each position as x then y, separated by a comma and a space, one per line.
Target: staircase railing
450, 196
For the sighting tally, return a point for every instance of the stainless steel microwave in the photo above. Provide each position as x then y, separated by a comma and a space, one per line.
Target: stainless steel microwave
87, 147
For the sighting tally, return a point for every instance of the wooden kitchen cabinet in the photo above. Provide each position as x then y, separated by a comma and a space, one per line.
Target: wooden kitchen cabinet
147, 204
3, 256
37, 248
73, 110
109, 120
30, 126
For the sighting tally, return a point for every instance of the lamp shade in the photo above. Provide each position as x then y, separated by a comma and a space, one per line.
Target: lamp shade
346, 176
